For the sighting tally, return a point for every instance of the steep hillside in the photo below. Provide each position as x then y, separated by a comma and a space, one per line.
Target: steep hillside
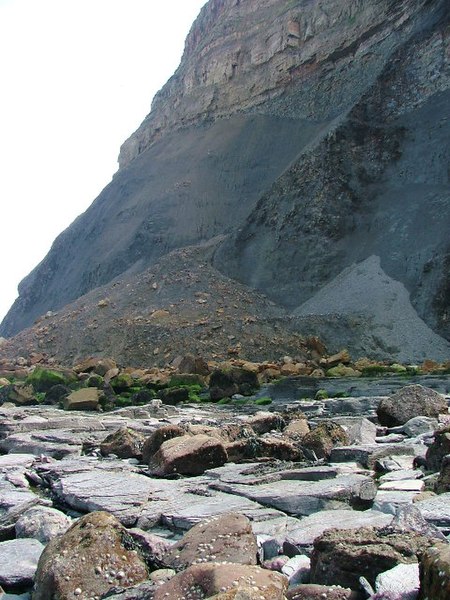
311, 136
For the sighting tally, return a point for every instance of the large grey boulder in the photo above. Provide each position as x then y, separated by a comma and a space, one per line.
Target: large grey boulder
42, 523
411, 401
188, 455
18, 562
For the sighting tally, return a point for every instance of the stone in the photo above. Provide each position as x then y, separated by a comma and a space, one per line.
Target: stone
188, 455
297, 569
153, 443
341, 370
173, 396
401, 582
324, 438
18, 563
443, 482
92, 557
311, 527
303, 498
42, 523
124, 443
227, 537
436, 510
410, 401
419, 425
264, 422
207, 579
84, 399
340, 357
359, 429
152, 547
193, 364
297, 428
439, 448
312, 591
435, 573
98, 365
343, 556
403, 485
224, 383
43, 380
20, 394
56, 393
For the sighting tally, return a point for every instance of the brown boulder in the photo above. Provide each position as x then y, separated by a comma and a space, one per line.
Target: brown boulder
411, 401
263, 422
324, 438
439, 448
124, 443
87, 561
443, 482
84, 399
297, 429
435, 573
193, 364
342, 556
222, 579
228, 537
188, 455
153, 443
97, 365
312, 591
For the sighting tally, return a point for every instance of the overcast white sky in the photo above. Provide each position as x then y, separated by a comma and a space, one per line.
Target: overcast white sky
76, 79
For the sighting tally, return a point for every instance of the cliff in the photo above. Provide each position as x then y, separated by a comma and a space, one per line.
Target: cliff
310, 136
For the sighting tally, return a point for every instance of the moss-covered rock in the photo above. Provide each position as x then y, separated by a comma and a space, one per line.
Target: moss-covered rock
44, 379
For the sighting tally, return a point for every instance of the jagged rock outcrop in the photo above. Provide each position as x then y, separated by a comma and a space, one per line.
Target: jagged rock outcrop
311, 137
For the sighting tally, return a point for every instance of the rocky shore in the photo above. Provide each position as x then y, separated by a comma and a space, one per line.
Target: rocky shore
199, 491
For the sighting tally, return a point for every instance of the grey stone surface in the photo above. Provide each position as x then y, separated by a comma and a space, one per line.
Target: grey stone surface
402, 582
42, 523
309, 528
18, 562
305, 498
436, 511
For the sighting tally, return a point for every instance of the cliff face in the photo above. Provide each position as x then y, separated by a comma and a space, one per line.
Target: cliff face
311, 136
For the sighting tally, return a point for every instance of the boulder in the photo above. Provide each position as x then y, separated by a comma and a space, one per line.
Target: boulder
312, 591
226, 580
443, 482
224, 383
227, 538
18, 562
88, 560
124, 443
188, 455
193, 364
152, 548
43, 380
173, 396
297, 428
42, 523
263, 422
84, 399
435, 573
153, 443
324, 438
410, 401
19, 394
359, 429
419, 425
98, 365
56, 393
439, 448
401, 582
343, 556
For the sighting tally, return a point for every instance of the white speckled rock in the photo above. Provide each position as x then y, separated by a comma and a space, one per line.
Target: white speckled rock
42, 523
401, 581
